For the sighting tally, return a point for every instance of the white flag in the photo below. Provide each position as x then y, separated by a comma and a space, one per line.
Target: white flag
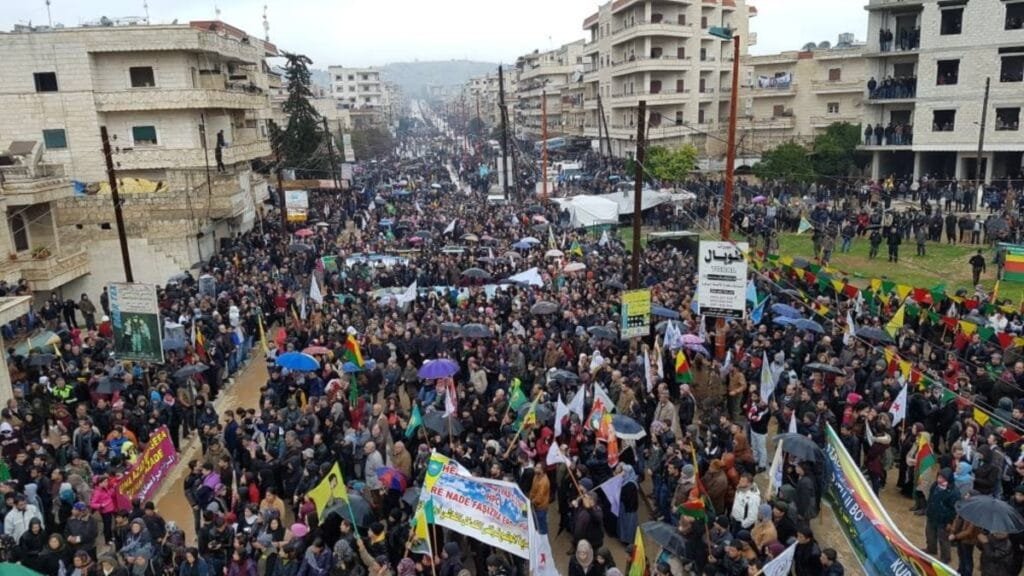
775, 471
418, 209
781, 564
767, 379
792, 423
899, 406
314, 291
727, 364
542, 562
450, 228
600, 394
648, 373
409, 295
612, 488
555, 456
659, 361
561, 411
451, 400
604, 239
850, 332
577, 404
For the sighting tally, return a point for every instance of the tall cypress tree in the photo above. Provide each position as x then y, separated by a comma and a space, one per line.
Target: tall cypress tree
301, 140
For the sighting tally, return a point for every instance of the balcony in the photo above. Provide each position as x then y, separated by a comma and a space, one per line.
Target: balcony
775, 123
39, 184
829, 87
159, 99
830, 119
645, 64
52, 272
652, 98
158, 158
777, 91
895, 5
644, 28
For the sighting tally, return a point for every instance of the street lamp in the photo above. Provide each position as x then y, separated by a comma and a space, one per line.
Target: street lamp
730, 160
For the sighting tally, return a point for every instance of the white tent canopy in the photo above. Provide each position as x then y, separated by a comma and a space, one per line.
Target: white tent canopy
586, 211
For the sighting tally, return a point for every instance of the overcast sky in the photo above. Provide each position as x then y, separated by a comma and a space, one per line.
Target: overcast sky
374, 32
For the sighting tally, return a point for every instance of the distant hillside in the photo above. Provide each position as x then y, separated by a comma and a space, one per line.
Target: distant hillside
413, 77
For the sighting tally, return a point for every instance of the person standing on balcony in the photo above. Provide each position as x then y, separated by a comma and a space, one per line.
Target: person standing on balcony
218, 151
88, 312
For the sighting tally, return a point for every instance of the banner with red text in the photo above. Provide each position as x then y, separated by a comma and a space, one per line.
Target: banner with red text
151, 468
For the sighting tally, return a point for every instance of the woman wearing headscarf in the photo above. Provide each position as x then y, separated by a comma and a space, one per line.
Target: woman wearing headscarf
137, 542
583, 563
451, 560
32, 543
629, 503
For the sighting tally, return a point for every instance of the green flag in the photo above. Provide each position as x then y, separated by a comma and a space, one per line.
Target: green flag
415, 421
353, 389
804, 226
516, 396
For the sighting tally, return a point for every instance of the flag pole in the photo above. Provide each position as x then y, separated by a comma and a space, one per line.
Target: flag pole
521, 426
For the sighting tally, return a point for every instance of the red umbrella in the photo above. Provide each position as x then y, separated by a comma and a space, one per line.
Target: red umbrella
315, 350
304, 232
392, 478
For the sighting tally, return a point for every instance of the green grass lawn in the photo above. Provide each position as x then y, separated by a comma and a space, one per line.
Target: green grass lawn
942, 264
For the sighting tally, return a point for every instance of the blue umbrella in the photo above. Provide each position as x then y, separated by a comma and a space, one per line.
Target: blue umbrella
782, 320
786, 310
627, 428
298, 361
522, 245
440, 368
352, 367
664, 312
809, 325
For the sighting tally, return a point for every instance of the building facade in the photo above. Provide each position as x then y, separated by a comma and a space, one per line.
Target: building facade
185, 106
550, 84
363, 92
927, 63
660, 51
483, 93
793, 96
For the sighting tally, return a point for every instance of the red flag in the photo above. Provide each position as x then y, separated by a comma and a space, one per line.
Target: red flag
1005, 340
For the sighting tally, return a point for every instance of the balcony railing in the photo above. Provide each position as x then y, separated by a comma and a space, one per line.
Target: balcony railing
157, 158
14, 174
159, 99
52, 272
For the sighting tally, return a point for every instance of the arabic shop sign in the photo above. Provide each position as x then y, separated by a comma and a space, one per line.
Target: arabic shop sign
722, 279
636, 313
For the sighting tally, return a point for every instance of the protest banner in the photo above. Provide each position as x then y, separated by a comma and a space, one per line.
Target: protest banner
135, 318
145, 476
494, 512
330, 491
879, 546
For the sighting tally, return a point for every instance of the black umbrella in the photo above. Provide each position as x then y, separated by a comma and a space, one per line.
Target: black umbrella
423, 234
453, 327
872, 333
615, 284
476, 331
545, 413
800, 446
543, 307
109, 386
563, 376
603, 332
438, 422
41, 359
357, 509
478, 273
991, 514
411, 496
666, 536
534, 209
819, 367
190, 371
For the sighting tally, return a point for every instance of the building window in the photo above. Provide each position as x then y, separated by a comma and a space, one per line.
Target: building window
835, 74
832, 107
1007, 119
703, 21
45, 81
778, 110
19, 232
947, 72
142, 76
55, 139
952, 21
351, 77
1012, 69
1015, 16
144, 135
943, 120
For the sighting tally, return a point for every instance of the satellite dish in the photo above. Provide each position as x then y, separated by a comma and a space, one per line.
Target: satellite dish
809, 47
824, 45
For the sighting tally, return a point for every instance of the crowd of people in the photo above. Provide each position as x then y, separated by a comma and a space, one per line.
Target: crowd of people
77, 419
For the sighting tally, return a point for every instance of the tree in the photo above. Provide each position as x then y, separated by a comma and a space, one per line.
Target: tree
671, 165
789, 162
835, 152
372, 142
299, 144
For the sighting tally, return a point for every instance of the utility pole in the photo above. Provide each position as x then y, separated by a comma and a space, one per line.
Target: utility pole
504, 129
209, 182
730, 166
330, 153
978, 173
604, 120
638, 190
280, 193
600, 142
544, 144
116, 199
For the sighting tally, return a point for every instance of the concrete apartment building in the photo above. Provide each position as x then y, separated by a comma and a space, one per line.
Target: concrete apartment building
339, 119
363, 92
173, 98
481, 94
795, 95
555, 78
929, 61
661, 51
